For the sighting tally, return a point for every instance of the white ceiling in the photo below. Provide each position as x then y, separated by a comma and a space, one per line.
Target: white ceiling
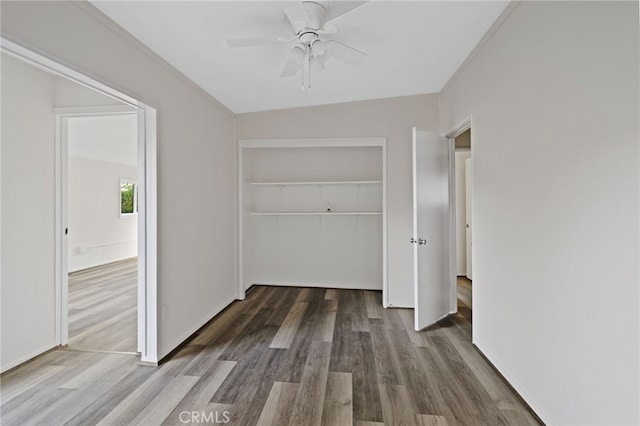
413, 47
112, 138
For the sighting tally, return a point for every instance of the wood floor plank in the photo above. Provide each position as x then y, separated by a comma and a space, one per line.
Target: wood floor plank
283, 300
310, 397
467, 381
426, 420
342, 347
397, 405
249, 337
338, 401
417, 337
331, 294
373, 301
130, 407
289, 327
277, 409
96, 370
104, 404
250, 404
359, 314
385, 355
417, 379
37, 404
448, 395
366, 392
201, 393
13, 388
155, 412
324, 332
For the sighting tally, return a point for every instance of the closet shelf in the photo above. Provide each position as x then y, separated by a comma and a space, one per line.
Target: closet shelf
349, 182
315, 213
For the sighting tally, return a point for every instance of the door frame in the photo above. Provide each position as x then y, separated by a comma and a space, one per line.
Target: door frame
62, 116
147, 203
453, 253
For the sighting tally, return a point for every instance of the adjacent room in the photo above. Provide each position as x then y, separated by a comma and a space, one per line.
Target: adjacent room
102, 209
320, 212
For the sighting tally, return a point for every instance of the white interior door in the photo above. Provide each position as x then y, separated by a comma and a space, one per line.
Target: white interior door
431, 227
467, 230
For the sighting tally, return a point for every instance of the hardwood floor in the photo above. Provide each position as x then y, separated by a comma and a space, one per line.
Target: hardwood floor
283, 356
464, 297
103, 307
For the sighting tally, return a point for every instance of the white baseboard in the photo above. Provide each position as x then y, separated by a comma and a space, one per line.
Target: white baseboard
361, 286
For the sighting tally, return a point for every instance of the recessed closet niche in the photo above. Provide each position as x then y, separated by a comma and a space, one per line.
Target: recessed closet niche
312, 213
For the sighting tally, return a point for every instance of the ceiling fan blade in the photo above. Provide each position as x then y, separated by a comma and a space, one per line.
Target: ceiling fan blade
339, 8
345, 53
296, 14
294, 62
317, 63
254, 41
290, 69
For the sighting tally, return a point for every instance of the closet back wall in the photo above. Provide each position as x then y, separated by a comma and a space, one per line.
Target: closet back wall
391, 118
312, 216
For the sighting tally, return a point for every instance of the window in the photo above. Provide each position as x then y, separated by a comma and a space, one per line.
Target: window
128, 197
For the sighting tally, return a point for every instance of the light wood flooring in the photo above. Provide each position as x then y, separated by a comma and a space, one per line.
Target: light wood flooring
103, 307
283, 356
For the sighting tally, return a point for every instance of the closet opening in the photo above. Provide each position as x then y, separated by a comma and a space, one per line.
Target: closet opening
313, 214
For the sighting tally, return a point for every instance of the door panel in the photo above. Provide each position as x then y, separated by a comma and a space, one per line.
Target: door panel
431, 227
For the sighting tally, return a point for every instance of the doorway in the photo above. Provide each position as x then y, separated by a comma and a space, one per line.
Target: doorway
147, 318
462, 212
102, 191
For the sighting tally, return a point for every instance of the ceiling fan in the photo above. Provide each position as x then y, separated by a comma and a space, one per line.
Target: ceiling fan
311, 21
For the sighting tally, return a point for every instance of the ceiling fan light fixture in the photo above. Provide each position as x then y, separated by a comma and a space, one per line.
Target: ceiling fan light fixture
298, 54
318, 47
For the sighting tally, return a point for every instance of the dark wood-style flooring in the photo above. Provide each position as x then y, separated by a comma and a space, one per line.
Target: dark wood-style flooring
103, 307
283, 356
464, 297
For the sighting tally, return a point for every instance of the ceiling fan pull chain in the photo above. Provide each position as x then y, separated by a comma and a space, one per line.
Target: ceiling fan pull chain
309, 70
302, 76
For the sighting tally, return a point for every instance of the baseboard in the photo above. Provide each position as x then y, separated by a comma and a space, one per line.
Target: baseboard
509, 385
319, 285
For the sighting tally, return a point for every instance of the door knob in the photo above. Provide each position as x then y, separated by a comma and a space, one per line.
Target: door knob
422, 241
412, 241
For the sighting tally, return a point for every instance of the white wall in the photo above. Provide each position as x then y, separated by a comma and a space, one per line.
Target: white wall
102, 151
461, 212
553, 96
196, 191
98, 234
390, 118
67, 93
27, 213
